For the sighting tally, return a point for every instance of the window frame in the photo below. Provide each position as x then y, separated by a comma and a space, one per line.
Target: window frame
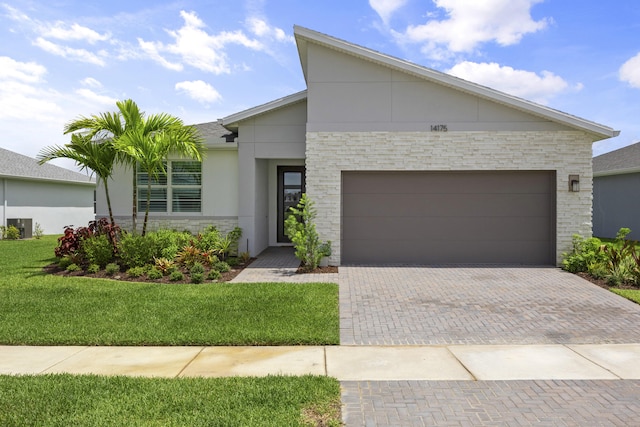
168, 182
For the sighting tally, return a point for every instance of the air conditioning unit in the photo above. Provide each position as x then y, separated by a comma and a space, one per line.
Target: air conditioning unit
24, 225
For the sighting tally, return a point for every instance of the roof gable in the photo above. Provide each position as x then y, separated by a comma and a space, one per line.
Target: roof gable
305, 36
14, 165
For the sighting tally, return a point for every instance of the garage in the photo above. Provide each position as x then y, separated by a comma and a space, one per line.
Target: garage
461, 217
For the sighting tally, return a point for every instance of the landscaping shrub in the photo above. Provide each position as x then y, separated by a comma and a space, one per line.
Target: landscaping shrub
301, 230
93, 268
38, 232
197, 278
154, 273
135, 250
73, 267
176, 276
111, 269
167, 242
136, 271
70, 242
222, 266
197, 268
164, 265
97, 250
213, 275
585, 254
12, 233
64, 262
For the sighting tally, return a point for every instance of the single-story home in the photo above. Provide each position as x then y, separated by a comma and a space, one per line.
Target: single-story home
47, 195
616, 192
405, 164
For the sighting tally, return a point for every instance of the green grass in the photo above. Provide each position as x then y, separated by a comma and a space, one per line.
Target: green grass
39, 309
630, 294
67, 400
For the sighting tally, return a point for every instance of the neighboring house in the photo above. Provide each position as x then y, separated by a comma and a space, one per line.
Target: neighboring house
616, 192
45, 194
405, 165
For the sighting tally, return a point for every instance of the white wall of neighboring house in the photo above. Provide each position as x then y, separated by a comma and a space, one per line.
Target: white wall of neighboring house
53, 205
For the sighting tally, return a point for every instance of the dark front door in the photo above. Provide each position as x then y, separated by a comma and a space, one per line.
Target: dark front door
290, 189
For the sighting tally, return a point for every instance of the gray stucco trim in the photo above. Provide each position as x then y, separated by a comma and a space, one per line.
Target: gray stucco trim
232, 120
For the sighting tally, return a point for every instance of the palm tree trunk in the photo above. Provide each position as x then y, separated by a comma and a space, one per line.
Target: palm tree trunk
146, 213
106, 190
134, 209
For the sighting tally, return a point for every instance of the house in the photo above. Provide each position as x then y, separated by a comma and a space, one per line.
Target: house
48, 195
616, 192
405, 165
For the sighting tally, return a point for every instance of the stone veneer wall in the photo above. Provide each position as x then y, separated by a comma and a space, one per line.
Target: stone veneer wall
566, 152
192, 224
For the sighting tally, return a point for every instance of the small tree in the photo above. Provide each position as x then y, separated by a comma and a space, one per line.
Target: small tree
301, 230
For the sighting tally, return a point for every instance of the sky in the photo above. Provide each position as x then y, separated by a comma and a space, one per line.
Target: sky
202, 60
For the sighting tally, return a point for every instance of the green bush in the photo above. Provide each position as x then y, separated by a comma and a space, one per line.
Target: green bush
38, 232
93, 268
586, 254
197, 278
167, 243
136, 250
136, 271
197, 268
176, 276
154, 273
73, 267
111, 269
65, 262
301, 230
97, 250
213, 275
222, 267
12, 233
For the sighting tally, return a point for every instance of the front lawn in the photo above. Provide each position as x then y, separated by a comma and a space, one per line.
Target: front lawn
67, 400
40, 309
630, 294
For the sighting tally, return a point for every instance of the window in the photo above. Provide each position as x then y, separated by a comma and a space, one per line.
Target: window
181, 184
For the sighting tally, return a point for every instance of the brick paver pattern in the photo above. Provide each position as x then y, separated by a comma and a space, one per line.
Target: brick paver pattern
491, 403
430, 305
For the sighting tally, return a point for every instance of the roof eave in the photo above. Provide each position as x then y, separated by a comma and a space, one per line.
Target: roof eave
231, 122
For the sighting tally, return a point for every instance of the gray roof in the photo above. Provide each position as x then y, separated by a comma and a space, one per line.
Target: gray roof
215, 132
623, 160
14, 165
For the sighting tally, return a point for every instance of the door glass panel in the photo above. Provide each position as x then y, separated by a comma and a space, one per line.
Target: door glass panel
292, 178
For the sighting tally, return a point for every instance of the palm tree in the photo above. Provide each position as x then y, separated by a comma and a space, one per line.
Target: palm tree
149, 151
98, 157
128, 127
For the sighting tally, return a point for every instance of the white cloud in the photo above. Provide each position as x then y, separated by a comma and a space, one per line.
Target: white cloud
91, 82
95, 98
80, 55
525, 84
630, 71
29, 72
386, 8
471, 23
199, 90
62, 31
198, 48
261, 28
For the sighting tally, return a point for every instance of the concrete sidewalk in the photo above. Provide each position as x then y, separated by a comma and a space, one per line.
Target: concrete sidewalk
346, 363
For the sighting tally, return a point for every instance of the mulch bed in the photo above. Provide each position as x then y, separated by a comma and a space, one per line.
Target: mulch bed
603, 283
122, 276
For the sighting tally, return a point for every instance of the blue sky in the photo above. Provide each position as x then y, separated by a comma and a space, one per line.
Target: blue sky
203, 60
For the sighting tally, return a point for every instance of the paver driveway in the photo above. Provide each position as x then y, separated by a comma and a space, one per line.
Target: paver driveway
469, 305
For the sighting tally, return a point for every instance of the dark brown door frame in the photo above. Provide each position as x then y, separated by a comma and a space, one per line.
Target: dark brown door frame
282, 203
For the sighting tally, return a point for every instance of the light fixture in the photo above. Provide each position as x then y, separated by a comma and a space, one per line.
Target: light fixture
574, 183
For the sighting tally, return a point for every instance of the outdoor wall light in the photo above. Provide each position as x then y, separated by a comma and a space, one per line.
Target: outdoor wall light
574, 183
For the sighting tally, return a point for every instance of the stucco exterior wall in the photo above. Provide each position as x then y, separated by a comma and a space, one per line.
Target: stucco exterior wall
616, 204
219, 196
52, 205
566, 152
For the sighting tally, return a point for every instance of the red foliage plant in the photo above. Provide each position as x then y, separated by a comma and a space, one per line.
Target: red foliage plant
69, 242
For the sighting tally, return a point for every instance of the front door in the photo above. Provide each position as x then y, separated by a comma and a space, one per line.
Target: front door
290, 189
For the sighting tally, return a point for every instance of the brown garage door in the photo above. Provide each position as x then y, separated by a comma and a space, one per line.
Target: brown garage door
448, 217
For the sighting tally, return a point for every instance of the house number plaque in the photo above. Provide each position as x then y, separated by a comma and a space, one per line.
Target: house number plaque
439, 128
